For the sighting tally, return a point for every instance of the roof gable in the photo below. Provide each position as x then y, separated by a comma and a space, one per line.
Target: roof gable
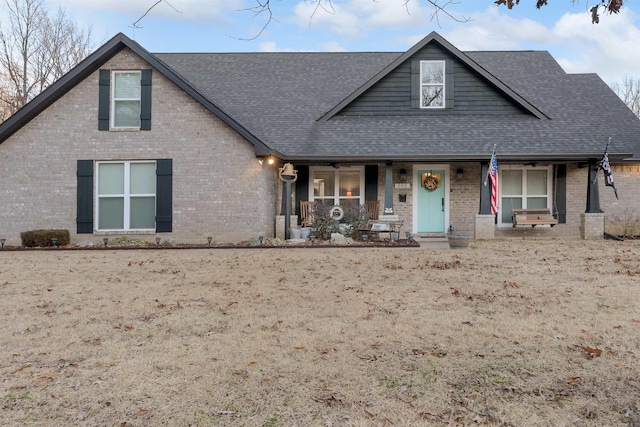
435, 42
92, 63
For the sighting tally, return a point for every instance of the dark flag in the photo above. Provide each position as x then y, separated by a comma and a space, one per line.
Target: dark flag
606, 169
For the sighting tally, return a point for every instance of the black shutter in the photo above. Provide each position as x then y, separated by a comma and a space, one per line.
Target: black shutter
84, 219
561, 193
302, 187
448, 83
415, 84
485, 190
145, 100
164, 195
371, 182
103, 99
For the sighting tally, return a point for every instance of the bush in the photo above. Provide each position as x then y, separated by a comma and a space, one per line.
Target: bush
627, 224
355, 218
42, 238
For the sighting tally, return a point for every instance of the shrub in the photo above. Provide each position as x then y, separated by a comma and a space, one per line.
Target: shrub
355, 218
41, 238
627, 224
323, 223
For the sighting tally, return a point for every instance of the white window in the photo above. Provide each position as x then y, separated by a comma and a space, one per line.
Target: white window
432, 84
524, 187
126, 196
343, 186
126, 91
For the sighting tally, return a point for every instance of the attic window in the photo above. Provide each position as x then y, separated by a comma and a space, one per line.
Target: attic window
126, 99
432, 84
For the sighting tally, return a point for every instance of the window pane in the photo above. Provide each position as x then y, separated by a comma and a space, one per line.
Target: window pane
432, 96
537, 182
111, 213
432, 72
536, 202
111, 178
349, 183
143, 178
511, 182
509, 203
127, 114
127, 85
143, 213
324, 184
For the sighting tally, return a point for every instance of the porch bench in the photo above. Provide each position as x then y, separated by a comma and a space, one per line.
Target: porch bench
533, 217
375, 227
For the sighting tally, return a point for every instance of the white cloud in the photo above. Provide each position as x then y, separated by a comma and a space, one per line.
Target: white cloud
609, 49
179, 10
358, 18
493, 30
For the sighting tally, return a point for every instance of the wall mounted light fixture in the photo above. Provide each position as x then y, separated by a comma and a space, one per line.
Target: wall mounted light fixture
402, 175
459, 172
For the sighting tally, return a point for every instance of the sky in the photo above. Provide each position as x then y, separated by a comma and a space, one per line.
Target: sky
611, 48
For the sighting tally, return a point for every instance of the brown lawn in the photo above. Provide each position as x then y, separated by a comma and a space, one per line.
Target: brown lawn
505, 333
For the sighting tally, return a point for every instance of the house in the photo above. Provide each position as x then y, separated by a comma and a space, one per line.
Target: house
174, 145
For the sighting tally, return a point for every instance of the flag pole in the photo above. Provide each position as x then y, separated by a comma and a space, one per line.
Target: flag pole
595, 179
486, 178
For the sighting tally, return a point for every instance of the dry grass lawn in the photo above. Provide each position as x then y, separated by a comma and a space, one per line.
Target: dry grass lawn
505, 333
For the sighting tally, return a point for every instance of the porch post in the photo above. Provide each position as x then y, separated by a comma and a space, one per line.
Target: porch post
388, 190
593, 196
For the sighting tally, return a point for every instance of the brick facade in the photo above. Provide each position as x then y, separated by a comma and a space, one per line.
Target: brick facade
219, 187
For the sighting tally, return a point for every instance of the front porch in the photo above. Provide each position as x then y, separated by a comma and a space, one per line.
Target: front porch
439, 199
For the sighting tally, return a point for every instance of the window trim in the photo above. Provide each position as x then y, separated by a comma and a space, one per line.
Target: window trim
112, 104
337, 197
126, 195
443, 84
524, 195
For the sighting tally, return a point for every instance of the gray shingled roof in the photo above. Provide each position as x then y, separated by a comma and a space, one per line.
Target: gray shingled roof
279, 97
277, 100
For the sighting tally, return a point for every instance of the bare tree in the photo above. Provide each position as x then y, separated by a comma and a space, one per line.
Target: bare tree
629, 91
608, 6
36, 49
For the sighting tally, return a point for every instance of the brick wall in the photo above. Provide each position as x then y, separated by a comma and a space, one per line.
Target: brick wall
623, 213
219, 188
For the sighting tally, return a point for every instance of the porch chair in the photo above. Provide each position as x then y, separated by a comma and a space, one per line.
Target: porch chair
371, 208
306, 213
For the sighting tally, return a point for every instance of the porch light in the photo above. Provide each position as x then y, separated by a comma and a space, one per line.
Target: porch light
2, 242
105, 241
403, 175
271, 160
459, 172
209, 239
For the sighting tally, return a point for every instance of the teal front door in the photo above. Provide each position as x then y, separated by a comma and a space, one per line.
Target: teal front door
430, 210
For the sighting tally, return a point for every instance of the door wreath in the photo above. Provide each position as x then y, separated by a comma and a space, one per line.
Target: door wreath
336, 213
430, 182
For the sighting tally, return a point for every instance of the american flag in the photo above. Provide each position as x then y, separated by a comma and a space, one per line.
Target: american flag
606, 169
493, 174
